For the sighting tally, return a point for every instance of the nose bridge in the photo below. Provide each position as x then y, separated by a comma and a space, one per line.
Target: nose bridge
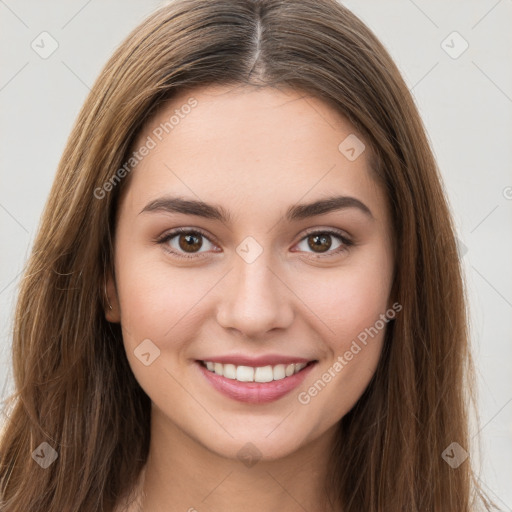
255, 300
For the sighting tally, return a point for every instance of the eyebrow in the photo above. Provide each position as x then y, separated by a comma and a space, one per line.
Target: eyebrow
215, 212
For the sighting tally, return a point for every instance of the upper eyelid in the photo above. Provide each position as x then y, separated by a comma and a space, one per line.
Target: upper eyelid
333, 231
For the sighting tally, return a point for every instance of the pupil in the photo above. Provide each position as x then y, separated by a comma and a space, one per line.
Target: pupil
191, 241
321, 239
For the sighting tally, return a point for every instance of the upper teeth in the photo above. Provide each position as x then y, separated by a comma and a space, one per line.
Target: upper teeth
251, 374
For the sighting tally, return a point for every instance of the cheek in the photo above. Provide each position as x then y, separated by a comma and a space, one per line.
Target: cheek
348, 300
147, 296
352, 303
151, 303
353, 348
156, 305
358, 330
355, 302
159, 300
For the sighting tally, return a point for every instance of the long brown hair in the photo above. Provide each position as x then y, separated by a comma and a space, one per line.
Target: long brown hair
73, 386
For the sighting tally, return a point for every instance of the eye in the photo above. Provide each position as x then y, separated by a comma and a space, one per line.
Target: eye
322, 240
187, 244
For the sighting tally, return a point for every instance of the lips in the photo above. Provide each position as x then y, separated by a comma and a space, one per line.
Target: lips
257, 384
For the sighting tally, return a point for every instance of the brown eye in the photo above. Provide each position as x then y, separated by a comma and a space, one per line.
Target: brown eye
190, 242
321, 242
186, 243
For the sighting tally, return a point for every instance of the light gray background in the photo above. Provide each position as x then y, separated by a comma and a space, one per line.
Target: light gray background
466, 104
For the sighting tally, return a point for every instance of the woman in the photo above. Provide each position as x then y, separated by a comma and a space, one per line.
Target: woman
187, 335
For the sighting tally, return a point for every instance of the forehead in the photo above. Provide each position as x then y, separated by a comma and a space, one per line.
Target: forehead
232, 143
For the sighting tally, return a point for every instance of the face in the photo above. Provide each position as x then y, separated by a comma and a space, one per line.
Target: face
255, 282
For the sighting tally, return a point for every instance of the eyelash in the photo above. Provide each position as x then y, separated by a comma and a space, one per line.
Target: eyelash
196, 231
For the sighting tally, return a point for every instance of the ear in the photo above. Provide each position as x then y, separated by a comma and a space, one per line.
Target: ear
112, 309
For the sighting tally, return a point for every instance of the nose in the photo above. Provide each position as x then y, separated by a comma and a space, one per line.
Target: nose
256, 299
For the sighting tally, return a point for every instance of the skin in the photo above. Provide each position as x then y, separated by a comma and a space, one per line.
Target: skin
255, 152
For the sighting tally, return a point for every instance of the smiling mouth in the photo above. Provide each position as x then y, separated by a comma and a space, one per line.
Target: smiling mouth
260, 374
